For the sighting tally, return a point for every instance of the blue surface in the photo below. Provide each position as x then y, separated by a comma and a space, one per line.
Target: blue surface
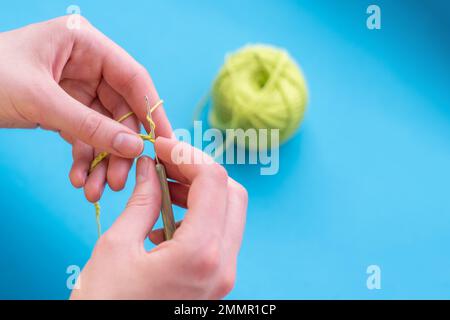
365, 181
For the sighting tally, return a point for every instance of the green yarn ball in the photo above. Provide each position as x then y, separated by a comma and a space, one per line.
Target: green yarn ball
260, 87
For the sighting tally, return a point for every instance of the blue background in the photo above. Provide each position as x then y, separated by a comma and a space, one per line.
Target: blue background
365, 181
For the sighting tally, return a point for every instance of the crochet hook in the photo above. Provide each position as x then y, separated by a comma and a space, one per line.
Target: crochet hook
166, 202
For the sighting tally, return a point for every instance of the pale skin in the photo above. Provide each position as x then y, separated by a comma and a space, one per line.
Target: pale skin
76, 82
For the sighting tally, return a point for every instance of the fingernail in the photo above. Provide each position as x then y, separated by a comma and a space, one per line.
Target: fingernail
142, 171
129, 145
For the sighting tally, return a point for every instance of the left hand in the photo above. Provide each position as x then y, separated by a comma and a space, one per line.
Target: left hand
76, 82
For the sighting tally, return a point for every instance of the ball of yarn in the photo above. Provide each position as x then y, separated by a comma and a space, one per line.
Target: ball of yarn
260, 87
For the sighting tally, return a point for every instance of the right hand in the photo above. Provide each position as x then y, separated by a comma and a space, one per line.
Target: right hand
198, 263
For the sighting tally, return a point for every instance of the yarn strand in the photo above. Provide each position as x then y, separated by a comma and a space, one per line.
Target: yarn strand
102, 155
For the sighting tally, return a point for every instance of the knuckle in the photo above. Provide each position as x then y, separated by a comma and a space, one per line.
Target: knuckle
218, 172
90, 125
129, 86
57, 22
240, 192
140, 200
206, 261
84, 20
136, 77
225, 284
61, 24
142, 70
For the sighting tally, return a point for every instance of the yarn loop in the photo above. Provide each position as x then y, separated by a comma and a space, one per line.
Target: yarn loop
103, 155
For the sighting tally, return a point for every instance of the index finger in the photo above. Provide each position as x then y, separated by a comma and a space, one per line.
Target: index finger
132, 81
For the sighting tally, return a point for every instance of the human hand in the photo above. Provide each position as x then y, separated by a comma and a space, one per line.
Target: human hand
198, 263
76, 82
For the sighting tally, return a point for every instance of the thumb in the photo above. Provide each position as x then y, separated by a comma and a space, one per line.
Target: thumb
74, 118
144, 205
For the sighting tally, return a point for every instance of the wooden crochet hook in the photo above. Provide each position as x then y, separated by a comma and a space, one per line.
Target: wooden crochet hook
166, 202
